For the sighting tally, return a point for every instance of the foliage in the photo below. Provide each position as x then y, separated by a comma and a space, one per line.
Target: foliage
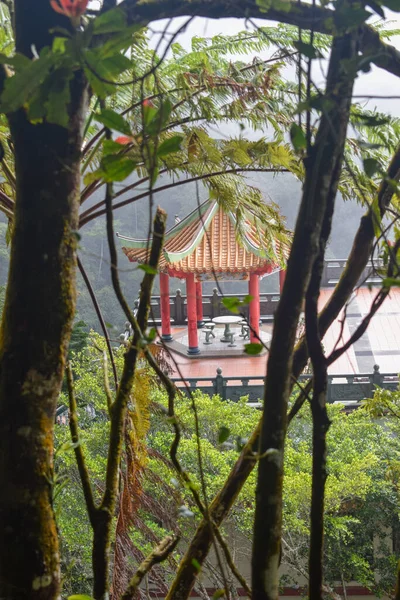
361, 501
89, 369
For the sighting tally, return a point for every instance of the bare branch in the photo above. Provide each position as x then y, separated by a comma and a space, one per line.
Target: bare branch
157, 556
100, 318
80, 458
107, 384
230, 561
103, 524
302, 15
89, 214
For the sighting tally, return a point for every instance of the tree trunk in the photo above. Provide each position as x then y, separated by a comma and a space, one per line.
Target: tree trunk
322, 175
37, 321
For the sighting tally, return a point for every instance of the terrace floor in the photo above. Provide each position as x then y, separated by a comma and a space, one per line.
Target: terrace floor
379, 345
217, 347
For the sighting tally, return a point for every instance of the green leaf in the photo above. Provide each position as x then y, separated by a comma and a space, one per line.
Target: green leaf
59, 44
263, 5
247, 299
390, 281
307, 50
18, 61
111, 21
80, 597
148, 269
151, 336
349, 16
371, 120
19, 88
102, 71
393, 184
154, 175
111, 119
100, 88
149, 114
377, 216
368, 145
93, 176
232, 304
282, 5
155, 119
223, 434
116, 64
111, 147
371, 166
170, 145
196, 565
116, 168
121, 41
218, 594
297, 137
253, 349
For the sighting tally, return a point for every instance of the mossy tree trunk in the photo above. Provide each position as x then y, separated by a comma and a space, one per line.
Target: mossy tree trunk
36, 326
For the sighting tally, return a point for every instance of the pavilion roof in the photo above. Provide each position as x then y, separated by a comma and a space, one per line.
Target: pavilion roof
206, 241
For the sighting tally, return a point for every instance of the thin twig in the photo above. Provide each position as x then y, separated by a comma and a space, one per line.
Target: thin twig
99, 314
89, 214
107, 384
230, 561
158, 555
80, 458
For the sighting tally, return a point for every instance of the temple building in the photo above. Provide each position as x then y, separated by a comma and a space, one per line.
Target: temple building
205, 246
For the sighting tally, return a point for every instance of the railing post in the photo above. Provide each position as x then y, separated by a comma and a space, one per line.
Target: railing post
219, 384
178, 301
376, 379
215, 304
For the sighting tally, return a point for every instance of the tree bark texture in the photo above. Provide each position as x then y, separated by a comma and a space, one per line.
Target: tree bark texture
37, 321
320, 418
322, 171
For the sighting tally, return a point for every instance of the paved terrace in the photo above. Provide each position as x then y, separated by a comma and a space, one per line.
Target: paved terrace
379, 345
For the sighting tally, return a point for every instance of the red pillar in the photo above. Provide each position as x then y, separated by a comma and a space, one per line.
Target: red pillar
165, 308
192, 314
254, 308
282, 277
199, 304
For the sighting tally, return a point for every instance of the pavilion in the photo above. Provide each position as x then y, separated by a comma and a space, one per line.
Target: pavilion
204, 246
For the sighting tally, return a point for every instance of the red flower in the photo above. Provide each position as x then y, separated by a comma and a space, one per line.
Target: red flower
69, 8
124, 140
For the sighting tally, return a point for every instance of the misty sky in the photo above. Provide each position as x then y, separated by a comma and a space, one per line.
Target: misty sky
377, 82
